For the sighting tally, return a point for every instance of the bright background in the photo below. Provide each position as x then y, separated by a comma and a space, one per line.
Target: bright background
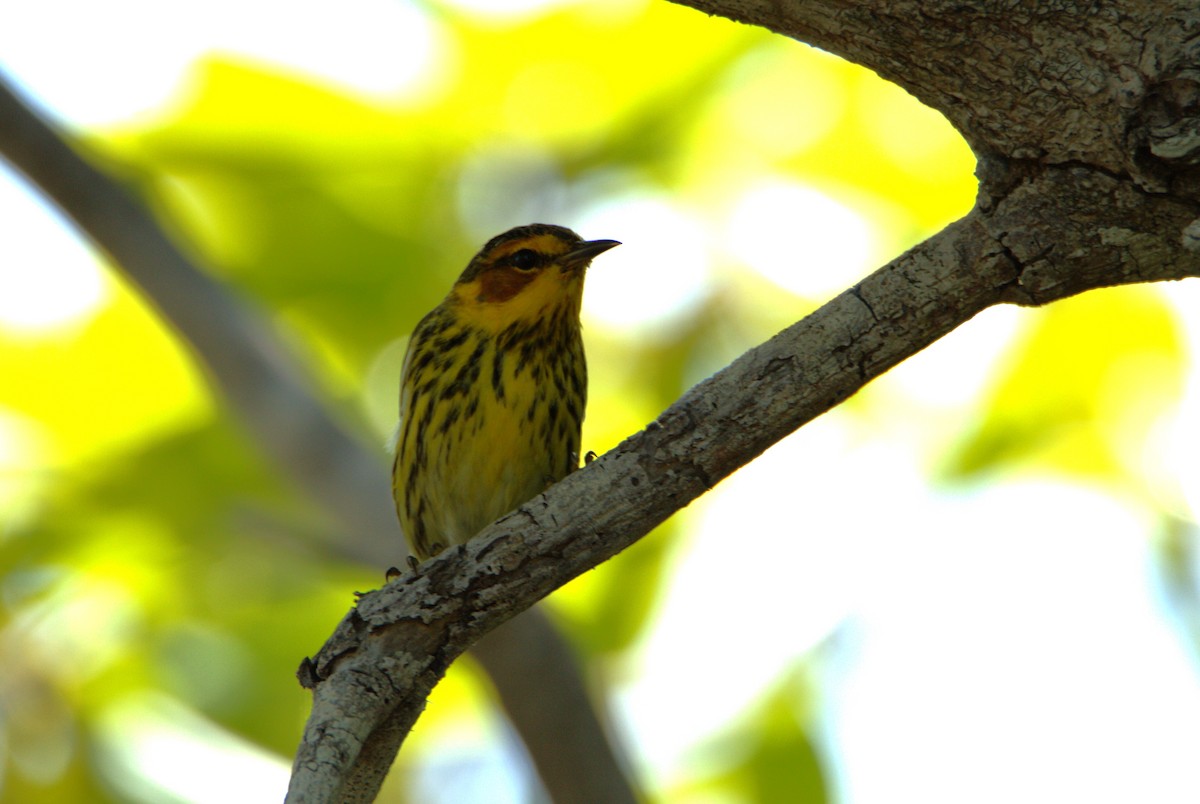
975, 581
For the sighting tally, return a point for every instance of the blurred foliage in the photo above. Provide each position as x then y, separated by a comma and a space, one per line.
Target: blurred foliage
770, 756
146, 539
1083, 390
1179, 569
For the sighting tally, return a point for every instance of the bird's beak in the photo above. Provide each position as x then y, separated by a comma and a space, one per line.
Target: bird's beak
582, 254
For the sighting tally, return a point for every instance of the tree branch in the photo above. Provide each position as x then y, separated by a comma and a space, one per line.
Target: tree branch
1082, 122
578, 762
394, 647
1111, 86
244, 357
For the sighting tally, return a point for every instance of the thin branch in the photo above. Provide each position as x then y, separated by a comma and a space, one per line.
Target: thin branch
245, 358
583, 764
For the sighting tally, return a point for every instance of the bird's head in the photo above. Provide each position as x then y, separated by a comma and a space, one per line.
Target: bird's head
526, 273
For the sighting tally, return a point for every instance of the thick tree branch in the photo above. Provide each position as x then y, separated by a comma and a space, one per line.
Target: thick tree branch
1084, 123
257, 376
1109, 85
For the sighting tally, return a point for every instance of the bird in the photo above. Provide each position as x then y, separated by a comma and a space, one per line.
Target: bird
493, 388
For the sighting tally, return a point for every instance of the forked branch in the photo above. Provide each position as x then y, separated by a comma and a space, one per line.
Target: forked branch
1088, 179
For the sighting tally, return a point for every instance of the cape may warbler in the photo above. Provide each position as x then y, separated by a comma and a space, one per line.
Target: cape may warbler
493, 388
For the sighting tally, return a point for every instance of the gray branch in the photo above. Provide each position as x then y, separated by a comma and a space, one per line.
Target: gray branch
1084, 121
244, 357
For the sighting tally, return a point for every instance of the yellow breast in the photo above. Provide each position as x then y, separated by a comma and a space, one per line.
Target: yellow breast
485, 429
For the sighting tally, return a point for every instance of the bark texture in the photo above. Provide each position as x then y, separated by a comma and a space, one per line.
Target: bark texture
1086, 122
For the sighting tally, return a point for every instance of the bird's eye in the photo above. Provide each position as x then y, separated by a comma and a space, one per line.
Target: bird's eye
525, 260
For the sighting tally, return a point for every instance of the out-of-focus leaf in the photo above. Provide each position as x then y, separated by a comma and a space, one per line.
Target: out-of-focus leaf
1086, 384
771, 755
1178, 563
316, 204
607, 611
169, 566
113, 381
